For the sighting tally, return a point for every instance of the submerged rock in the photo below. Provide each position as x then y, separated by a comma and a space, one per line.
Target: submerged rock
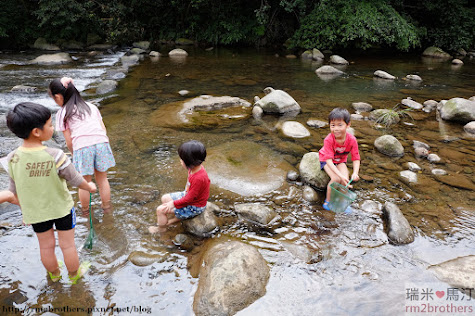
458, 272
106, 86
294, 129
328, 70
142, 259
255, 212
233, 276
399, 230
278, 101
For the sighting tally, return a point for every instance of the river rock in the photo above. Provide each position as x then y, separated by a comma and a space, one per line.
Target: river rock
137, 51
411, 103
210, 103
429, 105
292, 175
458, 109
377, 115
417, 144
328, 70
233, 276
408, 176
257, 112
389, 145
457, 61
310, 171
399, 230
433, 158
470, 127
278, 101
106, 86
458, 181
177, 52
142, 259
383, 75
309, 194
22, 88
317, 123
203, 225
42, 44
184, 242
338, 60
246, 168
130, 60
255, 212
413, 166
458, 272
421, 152
154, 54
362, 106
294, 129
317, 54
438, 172
52, 59
435, 52
414, 77
145, 45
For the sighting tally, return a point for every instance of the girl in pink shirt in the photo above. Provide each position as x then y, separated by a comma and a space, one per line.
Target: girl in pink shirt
86, 137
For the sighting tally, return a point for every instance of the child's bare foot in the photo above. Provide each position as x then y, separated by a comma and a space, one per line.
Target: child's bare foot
157, 229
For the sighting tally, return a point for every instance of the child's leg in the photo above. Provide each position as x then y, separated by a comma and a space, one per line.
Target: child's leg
48, 257
84, 196
166, 198
68, 247
104, 189
333, 178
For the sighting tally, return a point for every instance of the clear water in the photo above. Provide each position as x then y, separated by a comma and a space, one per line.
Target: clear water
360, 274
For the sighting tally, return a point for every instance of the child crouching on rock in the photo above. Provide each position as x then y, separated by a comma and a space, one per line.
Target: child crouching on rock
192, 201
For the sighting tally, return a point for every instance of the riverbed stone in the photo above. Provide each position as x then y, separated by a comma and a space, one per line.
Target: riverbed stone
255, 212
435, 52
411, 103
457, 181
205, 224
408, 176
414, 77
233, 276
470, 127
278, 101
292, 175
184, 242
257, 112
137, 51
309, 194
316, 123
294, 129
177, 52
457, 61
328, 70
145, 45
399, 230
438, 172
377, 115
154, 54
362, 106
433, 158
311, 173
246, 167
459, 110
52, 59
383, 75
130, 60
317, 54
429, 105
458, 272
389, 145
24, 89
413, 166
338, 60
42, 44
142, 259
106, 86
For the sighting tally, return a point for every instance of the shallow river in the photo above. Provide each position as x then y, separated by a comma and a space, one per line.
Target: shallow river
358, 272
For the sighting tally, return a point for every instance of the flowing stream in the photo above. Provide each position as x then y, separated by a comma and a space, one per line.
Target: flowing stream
358, 272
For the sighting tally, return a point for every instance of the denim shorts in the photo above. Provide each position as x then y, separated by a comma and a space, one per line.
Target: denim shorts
95, 157
188, 211
64, 223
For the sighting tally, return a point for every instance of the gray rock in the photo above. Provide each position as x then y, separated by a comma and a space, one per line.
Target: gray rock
183, 92
435, 52
52, 59
408, 176
457, 61
145, 45
184, 242
418, 144
257, 112
130, 60
413, 166
338, 60
292, 175
357, 117
470, 127
433, 158
411, 103
184, 41
458, 272
42, 44
294, 129
210, 103
439, 172
106, 86
203, 225
278, 101
421, 152
399, 230
383, 75
307, 55
316, 123
310, 171
458, 109
22, 88
389, 145
362, 106
429, 105
154, 54
255, 212
414, 77
309, 194
328, 70
141, 259
233, 276
137, 51
317, 54
177, 52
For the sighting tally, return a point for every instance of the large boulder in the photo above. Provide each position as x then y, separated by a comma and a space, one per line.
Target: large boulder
435, 52
210, 103
311, 173
399, 230
234, 275
458, 109
389, 145
458, 272
52, 59
255, 212
203, 225
278, 101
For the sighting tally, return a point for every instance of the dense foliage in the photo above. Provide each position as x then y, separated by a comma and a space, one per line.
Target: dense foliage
301, 24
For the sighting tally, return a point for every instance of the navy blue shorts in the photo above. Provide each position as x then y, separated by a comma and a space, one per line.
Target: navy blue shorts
64, 223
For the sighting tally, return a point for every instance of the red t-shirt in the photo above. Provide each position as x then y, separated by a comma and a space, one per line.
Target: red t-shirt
339, 152
197, 192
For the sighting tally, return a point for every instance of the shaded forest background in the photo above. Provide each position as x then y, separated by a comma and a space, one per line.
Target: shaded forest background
298, 24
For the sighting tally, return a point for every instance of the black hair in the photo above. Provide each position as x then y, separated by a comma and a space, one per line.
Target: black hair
339, 114
193, 153
25, 117
73, 104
